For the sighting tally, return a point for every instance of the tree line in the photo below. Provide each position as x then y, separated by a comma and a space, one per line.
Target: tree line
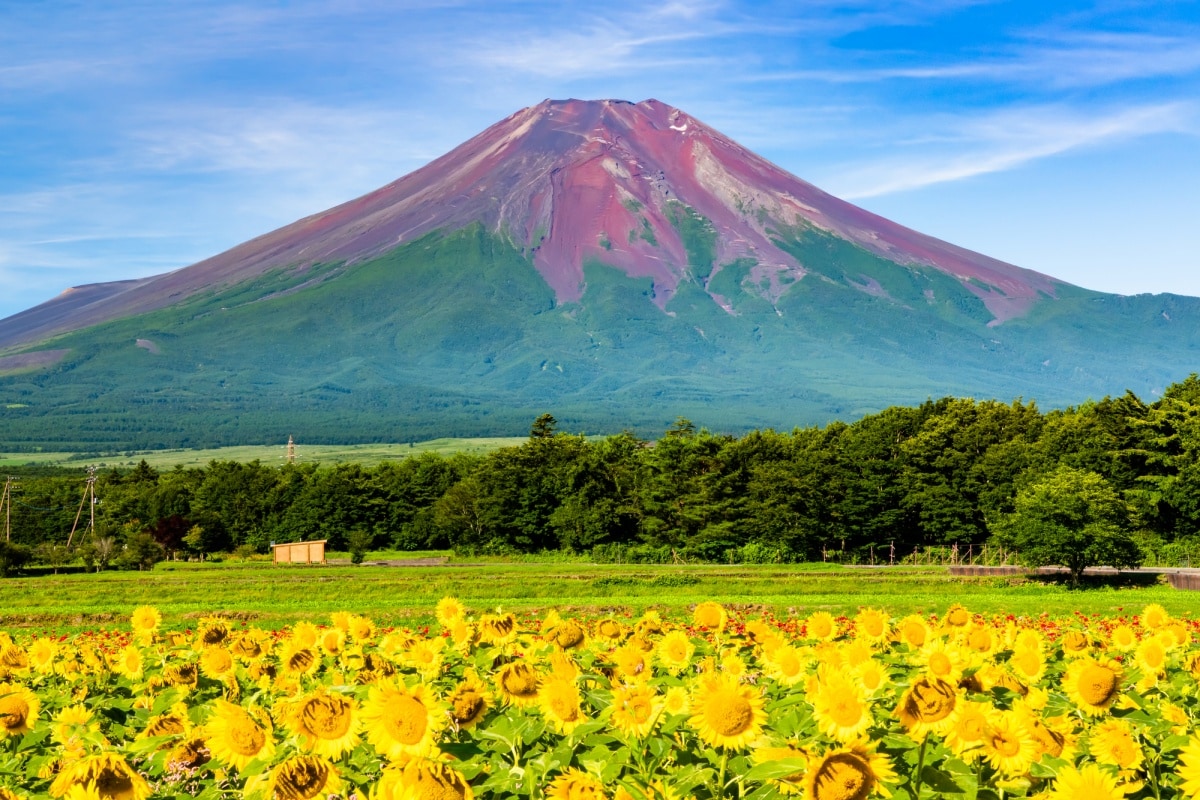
1118, 478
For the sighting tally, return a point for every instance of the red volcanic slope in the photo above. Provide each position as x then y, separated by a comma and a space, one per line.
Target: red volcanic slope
561, 179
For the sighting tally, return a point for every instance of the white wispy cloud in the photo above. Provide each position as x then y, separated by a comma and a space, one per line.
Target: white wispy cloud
1005, 140
1061, 61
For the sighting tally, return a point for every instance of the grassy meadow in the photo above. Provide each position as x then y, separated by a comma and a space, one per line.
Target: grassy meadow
269, 595
365, 454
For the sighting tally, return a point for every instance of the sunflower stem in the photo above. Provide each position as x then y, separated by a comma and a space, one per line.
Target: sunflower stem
920, 768
720, 793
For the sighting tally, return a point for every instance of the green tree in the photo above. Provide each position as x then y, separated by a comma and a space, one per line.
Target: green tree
1072, 518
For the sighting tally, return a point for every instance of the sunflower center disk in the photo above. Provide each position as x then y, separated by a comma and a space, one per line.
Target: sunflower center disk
246, 738
729, 714
327, 718
843, 777
1097, 685
407, 720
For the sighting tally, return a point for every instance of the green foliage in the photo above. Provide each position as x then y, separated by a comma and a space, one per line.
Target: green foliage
359, 541
13, 556
698, 236
1073, 519
944, 476
141, 552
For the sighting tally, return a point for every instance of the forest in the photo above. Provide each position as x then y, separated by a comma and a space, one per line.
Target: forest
1119, 476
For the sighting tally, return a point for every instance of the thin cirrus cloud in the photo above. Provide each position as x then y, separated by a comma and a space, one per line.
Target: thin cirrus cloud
1007, 140
1051, 62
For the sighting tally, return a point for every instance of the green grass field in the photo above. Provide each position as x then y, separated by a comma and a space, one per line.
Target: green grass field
366, 454
272, 596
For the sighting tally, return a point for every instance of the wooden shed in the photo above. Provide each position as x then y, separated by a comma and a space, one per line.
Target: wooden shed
300, 552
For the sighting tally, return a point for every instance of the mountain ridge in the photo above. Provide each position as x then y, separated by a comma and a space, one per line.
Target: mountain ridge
557, 178
618, 264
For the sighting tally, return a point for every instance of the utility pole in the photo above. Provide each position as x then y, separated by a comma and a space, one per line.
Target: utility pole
6, 504
291, 451
89, 493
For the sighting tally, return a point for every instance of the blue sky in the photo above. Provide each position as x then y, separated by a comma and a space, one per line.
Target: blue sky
138, 137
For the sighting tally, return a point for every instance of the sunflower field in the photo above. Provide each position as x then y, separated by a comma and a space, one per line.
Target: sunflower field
708, 705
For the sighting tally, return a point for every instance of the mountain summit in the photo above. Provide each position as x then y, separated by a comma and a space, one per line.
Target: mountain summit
617, 263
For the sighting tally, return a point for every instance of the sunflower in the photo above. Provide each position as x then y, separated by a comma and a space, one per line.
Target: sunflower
462, 634
184, 675
297, 778
821, 626
559, 702
632, 662
786, 665
656, 790
927, 707
128, 662
332, 640
216, 662
362, 629
497, 629
1151, 656
1111, 742
42, 654
1154, 617
212, 630
188, 755
1176, 631
965, 736
425, 656
1075, 643
423, 780
635, 710
105, 775
1054, 736
942, 660
247, 646
710, 615
870, 676
325, 722
610, 630
575, 784
872, 626
676, 701
518, 683
1089, 781
298, 658
145, 621
562, 665
1028, 639
449, 611
1008, 745
981, 639
789, 784
73, 726
1189, 768
402, 722
468, 702
18, 709
305, 634
567, 634
1093, 685
914, 631
957, 616
674, 652
170, 723
13, 658
726, 713
236, 738
1123, 638
1028, 665
839, 709
848, 773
